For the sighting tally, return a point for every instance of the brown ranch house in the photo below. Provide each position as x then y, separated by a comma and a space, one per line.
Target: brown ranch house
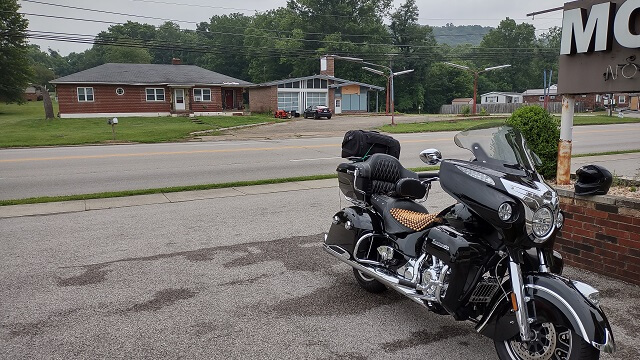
148, 90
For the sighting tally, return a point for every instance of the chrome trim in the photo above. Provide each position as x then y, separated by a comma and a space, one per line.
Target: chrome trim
378, 274
522, 314
543, 264
609, 345
564, 302
588, 291
533, 199
357, 247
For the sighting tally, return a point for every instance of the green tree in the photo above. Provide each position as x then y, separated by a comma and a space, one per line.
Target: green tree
14, 65
542, 132
445, 84
224, 37
417, 48
125, 54
513, 44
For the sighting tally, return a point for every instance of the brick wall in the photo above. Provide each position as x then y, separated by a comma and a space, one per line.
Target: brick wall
107, 101
601, 234
263, 99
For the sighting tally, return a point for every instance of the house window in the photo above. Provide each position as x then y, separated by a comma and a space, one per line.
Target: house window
552, 97
290, 85
541, 98
316, 84
155, 94
622, 99
119, 91
85, 94
202, 94
491, 99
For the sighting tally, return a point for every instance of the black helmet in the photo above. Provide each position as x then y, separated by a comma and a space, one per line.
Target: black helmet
593, 180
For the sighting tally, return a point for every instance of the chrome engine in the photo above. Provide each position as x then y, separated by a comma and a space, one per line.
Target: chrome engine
434, 282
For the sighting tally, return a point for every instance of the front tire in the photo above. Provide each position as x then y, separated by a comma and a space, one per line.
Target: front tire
368, 283
551, 341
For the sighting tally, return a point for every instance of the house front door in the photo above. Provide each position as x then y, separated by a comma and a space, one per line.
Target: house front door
178, 100
228, 99
338, 107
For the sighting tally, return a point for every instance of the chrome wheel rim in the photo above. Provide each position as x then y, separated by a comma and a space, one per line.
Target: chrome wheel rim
550, 342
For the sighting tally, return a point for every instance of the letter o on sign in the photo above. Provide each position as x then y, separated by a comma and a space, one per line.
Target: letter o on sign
625, 20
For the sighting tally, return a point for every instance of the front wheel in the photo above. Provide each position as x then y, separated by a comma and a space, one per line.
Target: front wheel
368, 283
551, 341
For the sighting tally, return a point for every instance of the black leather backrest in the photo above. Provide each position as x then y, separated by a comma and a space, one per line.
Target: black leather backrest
384, 171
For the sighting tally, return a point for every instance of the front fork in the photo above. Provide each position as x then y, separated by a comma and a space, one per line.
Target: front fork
519, 300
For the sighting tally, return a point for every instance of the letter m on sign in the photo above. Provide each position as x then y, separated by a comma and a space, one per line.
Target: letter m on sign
581, 34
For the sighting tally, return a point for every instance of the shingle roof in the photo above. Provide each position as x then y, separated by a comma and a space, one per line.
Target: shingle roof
150, 74
339, 82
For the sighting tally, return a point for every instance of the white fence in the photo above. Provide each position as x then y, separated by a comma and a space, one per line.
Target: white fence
553, 107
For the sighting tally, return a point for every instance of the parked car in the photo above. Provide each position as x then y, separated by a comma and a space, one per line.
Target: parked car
317, 112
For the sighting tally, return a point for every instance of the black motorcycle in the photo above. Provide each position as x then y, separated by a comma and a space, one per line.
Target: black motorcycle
488, 259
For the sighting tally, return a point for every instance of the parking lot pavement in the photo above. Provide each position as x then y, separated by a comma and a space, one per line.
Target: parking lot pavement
239, 277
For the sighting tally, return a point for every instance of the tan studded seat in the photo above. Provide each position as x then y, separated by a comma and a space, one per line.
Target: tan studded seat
412, 219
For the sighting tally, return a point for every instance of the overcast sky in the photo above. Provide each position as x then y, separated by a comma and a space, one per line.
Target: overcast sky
432, 12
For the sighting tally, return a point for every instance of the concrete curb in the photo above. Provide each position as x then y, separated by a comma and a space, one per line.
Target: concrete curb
62, 207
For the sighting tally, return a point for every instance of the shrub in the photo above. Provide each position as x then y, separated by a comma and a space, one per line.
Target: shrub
483, 112
465, 110
542, 132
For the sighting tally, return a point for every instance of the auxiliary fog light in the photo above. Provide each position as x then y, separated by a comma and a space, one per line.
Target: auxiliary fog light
542, 222
505, 211
560, 220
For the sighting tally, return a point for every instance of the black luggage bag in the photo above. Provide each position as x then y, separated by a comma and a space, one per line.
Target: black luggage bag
362, 144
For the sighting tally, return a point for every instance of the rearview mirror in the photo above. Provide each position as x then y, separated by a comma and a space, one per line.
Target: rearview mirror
431, 156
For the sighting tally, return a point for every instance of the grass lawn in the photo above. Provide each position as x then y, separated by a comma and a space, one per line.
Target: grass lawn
463, 124
24, 125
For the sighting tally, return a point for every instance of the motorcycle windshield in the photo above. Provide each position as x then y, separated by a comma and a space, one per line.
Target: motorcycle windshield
502, 148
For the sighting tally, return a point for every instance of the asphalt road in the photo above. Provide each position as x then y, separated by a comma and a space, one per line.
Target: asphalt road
227, 278
88, 169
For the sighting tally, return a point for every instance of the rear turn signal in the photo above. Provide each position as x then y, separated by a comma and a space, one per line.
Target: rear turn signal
514, 303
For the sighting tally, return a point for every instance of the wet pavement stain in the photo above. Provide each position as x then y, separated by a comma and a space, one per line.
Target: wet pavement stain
343, 297
28, 329
92, 275
426, 336
295, 254
163, 298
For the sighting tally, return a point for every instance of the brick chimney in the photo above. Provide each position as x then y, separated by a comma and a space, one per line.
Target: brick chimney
176, 61
326, 65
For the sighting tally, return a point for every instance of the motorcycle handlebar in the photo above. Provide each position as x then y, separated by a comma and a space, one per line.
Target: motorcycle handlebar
428, 175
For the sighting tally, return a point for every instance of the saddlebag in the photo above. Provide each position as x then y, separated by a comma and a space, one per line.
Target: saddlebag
362, 143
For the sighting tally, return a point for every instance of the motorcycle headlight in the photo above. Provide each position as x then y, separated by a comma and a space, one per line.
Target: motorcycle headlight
542, 222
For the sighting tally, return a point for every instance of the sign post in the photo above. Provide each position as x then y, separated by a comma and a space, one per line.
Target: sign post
599, 54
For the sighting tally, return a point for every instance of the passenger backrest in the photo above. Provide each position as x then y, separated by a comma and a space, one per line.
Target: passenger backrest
384, 173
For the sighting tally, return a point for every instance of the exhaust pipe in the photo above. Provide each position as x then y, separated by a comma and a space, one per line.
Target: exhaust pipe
388, 280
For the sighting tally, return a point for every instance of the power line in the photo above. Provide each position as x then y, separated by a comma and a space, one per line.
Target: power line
262, 36
227, 26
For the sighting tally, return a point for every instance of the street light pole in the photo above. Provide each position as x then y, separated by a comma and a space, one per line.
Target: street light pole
475, 78
375, 71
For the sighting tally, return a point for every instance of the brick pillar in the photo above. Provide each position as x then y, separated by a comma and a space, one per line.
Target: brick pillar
326, 66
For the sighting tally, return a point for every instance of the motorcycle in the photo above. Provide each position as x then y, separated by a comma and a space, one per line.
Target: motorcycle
488, 259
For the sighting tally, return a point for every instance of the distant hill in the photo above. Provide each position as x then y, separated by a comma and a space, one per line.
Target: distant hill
464, 34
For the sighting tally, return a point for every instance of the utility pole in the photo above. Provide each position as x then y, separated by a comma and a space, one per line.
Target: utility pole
375, 71
475, 78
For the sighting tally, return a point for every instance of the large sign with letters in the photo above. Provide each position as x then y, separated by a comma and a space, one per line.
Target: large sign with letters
600, 47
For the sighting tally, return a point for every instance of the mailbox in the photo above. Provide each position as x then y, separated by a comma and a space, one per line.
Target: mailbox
112, 121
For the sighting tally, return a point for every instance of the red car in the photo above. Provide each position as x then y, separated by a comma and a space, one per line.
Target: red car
317, 112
